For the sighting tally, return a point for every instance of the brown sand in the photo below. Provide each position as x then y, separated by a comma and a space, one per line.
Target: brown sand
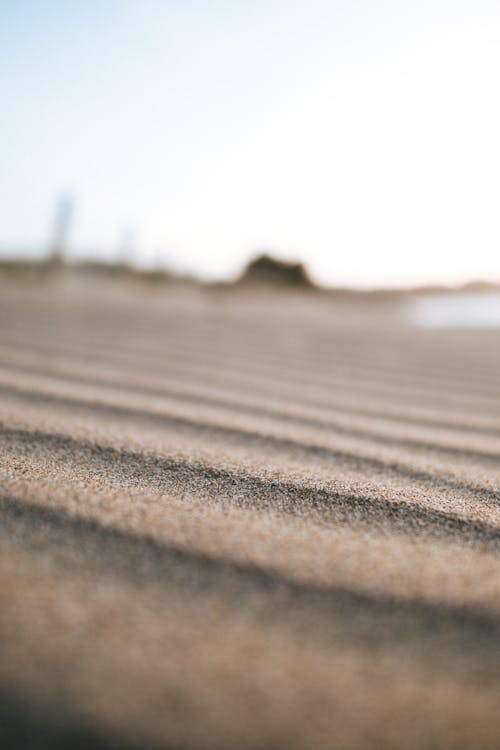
241, 522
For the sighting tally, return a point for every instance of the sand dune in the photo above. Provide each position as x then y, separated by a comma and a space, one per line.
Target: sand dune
239, 521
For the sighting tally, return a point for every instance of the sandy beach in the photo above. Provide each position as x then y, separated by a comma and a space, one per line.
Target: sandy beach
245, 521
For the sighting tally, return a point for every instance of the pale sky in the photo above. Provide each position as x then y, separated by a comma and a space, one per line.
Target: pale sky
362, 137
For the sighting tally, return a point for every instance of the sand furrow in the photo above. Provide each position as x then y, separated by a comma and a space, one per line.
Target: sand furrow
253, 521
298, 498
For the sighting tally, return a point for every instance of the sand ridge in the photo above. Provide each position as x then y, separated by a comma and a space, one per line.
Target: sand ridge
245, 522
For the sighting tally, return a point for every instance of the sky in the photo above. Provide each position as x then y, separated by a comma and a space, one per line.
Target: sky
360, 136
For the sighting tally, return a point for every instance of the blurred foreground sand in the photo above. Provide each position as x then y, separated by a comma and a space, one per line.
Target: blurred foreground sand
239, 521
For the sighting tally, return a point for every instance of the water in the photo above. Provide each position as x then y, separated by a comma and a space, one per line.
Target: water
474, 310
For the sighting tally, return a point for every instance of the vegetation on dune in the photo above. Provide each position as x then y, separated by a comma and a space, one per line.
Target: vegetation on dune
266, 270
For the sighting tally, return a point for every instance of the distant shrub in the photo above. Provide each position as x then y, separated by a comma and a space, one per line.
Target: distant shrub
266, 270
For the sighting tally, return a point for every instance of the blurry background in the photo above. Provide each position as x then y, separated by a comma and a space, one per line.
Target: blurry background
249, 374
359, 137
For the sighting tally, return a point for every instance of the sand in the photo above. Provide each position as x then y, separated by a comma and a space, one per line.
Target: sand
245, 521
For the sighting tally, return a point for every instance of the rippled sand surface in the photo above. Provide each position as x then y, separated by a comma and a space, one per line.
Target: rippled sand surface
239, 521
